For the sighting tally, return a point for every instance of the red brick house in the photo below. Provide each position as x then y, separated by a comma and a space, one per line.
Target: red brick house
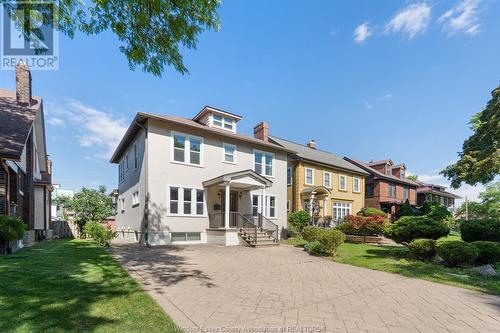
25, 170
435, 193
386, 187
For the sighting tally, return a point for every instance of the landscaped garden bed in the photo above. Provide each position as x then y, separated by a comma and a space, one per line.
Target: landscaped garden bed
73, 286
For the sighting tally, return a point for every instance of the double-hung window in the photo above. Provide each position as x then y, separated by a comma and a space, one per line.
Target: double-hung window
135, 198
187, 149
229, 153
267, 206
309, 176
263, 163
223, 122
327, 179
405, 193
392, 190
186, 201
289, 176
356, 185
343, 182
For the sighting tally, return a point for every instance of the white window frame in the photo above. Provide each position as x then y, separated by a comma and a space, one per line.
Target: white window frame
358, 180
345, 208
340, 182
187, 149
329, 179
224, 145
180, 201
312, 176
406, 193
135, 198
122, 204
266, 209
263, 162
225, 120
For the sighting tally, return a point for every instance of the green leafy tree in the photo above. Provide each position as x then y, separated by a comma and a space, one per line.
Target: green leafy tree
89, 205
488, 207
151, 32
479, 161
412, 177
406, 209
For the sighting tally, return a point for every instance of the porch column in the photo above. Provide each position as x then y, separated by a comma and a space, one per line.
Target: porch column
311, 202
263, 200
227, 203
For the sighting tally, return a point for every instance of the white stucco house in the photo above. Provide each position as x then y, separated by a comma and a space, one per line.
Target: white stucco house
174, 174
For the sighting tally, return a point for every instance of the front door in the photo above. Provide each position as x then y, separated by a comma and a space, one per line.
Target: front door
233, 207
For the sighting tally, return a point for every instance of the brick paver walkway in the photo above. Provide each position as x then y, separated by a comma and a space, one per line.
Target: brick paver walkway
284, 289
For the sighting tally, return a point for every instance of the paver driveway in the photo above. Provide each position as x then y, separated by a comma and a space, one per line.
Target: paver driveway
284, 289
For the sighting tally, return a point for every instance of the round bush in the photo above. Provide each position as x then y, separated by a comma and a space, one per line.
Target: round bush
362, 225
457, 253
11, 228
100, 234
331, 239
423, 248
489, 252
316, 249
480, 229
299, 220
409, 228
369, 211
435, 211
312, 234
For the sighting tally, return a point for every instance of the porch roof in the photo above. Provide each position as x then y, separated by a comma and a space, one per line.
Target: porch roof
316, 190
245, 177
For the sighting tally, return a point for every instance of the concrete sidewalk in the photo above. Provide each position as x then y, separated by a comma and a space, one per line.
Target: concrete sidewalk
283, 289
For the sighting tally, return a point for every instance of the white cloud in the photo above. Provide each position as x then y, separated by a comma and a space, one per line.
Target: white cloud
368, 106
411, 21
361, 33
387, 96
463, 17
95, 128
57, 122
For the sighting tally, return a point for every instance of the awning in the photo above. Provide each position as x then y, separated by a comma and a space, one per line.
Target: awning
316, 190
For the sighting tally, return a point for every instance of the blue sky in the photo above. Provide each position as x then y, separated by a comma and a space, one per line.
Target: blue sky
365, 79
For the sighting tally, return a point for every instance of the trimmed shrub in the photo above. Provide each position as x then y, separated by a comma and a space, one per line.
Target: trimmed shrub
312, 234
317, 249
409, 228
457, 253
331, 239
362, 225
299, 220
100, 234
480, 229
368, 211
406, 209
11, 228
489, 252
423, 248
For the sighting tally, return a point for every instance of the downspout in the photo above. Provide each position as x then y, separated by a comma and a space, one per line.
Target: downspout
146, 185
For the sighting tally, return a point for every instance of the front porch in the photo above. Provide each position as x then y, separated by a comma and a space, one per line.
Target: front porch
235, 217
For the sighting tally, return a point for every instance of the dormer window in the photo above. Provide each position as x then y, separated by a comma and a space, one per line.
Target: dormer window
217, 118
223, 122
402, 173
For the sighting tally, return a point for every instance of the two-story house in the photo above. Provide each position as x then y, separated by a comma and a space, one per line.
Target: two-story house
25, 170
184, 181
386, 186
318, 181
435, 193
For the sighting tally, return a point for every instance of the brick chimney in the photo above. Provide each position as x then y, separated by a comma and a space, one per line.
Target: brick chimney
261, 131
311, 144
23, 84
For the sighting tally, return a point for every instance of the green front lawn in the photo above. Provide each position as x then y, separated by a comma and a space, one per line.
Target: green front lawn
394, 259
73, 285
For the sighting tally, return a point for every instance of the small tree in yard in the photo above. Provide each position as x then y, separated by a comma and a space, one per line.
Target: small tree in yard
89, 205
406, 209
299, 220
11, 229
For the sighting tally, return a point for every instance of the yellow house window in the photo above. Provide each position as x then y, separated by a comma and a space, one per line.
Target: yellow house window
309, 176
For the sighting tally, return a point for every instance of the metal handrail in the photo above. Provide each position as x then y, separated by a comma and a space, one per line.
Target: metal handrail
269, 227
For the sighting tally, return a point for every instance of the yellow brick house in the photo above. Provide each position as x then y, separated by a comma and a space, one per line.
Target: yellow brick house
322, 183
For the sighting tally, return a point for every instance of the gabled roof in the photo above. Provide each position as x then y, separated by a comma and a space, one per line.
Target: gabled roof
142, 117
378, 174
15, 124
429, 188
318, 156
371, 163
236, 175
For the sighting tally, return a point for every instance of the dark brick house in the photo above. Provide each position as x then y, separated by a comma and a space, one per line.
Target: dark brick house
435, 193
25, 170
386, 187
